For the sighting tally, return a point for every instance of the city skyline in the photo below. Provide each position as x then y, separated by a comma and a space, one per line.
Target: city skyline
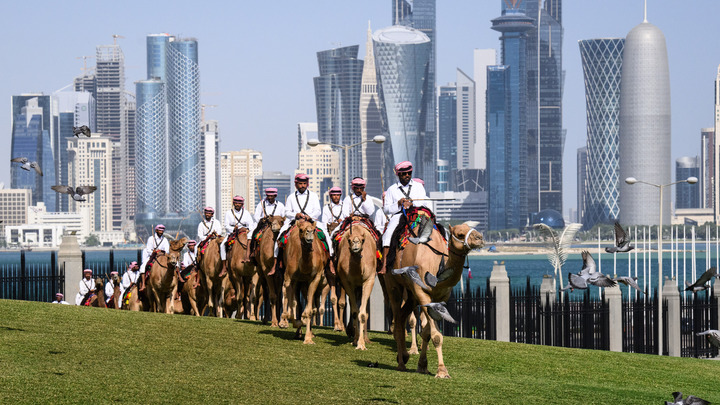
244, 104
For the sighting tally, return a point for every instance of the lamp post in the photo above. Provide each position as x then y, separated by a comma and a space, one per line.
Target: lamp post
631, 181
379, 139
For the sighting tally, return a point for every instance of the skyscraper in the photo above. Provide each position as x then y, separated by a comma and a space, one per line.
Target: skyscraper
90, 163
482, 58
582, 182
32, 132
371, 122
210, 164
707, 167
602, 67
306, 131
402, 55
716, 157
151, 174
508, 142
420, 14
337, 99
239, 171
157, 55
447, 127
687, 195
644, 125
465, 110
183, 97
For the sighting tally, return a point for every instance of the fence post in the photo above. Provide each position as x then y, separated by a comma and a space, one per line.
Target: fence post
672, 296
547, 299
376, 311
716, 294
70, 254
501, 283
613, 296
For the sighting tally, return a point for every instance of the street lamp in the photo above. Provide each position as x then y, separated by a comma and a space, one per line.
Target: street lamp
631, 181
379, 139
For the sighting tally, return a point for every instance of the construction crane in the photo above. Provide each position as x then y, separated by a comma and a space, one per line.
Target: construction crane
202, 111
84, 58
115, 38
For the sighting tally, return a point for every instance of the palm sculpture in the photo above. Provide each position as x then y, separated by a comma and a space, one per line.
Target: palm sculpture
559, 245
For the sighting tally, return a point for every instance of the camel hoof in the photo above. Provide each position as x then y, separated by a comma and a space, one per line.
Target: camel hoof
423, 370
413, 350
401, 367
442, 373
274, 325
308, 342
360, 347
252, 318
283, 325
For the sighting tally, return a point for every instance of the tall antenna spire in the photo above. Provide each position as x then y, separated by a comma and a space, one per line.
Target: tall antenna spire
645, 18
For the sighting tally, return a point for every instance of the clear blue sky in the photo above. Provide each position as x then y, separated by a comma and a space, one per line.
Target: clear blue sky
257, 58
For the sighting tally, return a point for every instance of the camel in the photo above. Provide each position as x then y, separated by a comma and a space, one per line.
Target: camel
242, 276
161, 284
305, 259
115, 301
336, 291
210, 280
131, 300
356, 267
230, 302
96, 298
265, 263
463, 239
190, 295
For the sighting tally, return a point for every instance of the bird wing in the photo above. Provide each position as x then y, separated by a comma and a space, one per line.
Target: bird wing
63, 189
19, 160
438, 312
80, 190
693, 400
601, 280
620, 235
632, 283
588, 263
85, 130
36, 166
706, 276
576, 281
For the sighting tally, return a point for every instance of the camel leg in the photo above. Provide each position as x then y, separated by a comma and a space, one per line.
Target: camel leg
209, 289
220, 298
362, 316
252, 297
341, 307
307, 313
274, 300
288, 300
412, 322
399, 318
352, 328
437, 339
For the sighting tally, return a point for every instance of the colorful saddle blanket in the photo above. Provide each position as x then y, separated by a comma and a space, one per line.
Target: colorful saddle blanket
357, 220
234, 236
320, 234
415, 217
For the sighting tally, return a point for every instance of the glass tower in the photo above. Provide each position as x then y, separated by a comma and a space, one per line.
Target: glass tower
337, 100
447, 127
687, 195
157, 55
371, 122
150, 149
183, 97
402, 55
499, 178
602, 68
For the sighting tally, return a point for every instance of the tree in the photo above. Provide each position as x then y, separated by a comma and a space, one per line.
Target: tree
92, 240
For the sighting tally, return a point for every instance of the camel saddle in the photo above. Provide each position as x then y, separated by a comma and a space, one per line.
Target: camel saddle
86, 299
415, 223
232, 238
202, 246
282, 240
362, 220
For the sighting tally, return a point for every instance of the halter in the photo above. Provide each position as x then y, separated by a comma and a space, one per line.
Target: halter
467, 236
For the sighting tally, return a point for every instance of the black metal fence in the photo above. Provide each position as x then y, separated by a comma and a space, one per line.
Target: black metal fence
32, 279
640, 329
697, 314
525, 316
102, 262
474, 312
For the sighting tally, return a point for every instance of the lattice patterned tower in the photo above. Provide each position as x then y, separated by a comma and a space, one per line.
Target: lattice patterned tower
602, 67
183, 93
151, 150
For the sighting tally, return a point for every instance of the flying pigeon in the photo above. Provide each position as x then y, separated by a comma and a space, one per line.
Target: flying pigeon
588, 275
438, 312
575, 282
410, 273
25, 164
712, 336
689, 400
426, 229
82, 130
629, 281
704, 278
443, 274
76, 194
622, 242
696, 288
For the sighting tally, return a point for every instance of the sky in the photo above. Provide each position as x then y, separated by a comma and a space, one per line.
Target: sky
258, 58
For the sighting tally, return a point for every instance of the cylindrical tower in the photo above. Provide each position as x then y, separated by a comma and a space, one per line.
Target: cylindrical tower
150, 149
644, 126
156, 55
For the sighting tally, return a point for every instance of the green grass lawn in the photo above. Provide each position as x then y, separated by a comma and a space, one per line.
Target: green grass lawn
66, 354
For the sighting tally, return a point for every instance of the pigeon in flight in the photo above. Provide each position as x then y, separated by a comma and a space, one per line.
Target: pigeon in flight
629, 281
712, 336
26, 164
696, 288
438, 312
76, 194
704, 278
410, 273
622, 242
588, 275
82, 130
689, 400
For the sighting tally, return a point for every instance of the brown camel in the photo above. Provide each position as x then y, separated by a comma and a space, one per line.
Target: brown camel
463, 239
230, 303
210, 280
162, 282
305, 259
335, 289
190, 295
356, 267
131, 299
242, 274
115, 301
97, 298
265, 263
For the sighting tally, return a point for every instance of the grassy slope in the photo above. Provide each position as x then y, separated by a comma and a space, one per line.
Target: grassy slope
70, 354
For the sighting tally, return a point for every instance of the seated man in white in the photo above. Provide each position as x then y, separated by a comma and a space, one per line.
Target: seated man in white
381, 218
333, 211
190, 257
59, 299
157, 241
235, 218
269, 206
131, 276
110, 288
209, 225
86, 285
357, 203
405, 193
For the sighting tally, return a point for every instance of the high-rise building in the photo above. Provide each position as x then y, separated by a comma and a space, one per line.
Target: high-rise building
482, 58
90, 162
402, 55
128, 151
151, 176
337, 100
183, 98
582, 182
322, 165
32, 138
644, 126
157, 56
447, 127
306, 131
508, 156
421, 15
13, 207
371, 123
239, 171
465, 143
443, 175
602, 61
282, 182
716, 152
210, 163
687, 195
707, 167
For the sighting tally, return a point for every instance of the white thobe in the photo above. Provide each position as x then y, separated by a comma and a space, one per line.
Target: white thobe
276, 208
205, 228
130, 277
189, 258
393, 195
307, 203
357, 206
85, 287
331, 213
380, 220
155, 242
60, 302
242, 219
109, 290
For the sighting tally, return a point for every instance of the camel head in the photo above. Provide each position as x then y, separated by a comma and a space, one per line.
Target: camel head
465, 237
116, 280
355, 241
307, 231
99, 284
276, 223
176, 246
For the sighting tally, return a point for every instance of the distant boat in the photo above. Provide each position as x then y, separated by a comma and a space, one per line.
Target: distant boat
492, 249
